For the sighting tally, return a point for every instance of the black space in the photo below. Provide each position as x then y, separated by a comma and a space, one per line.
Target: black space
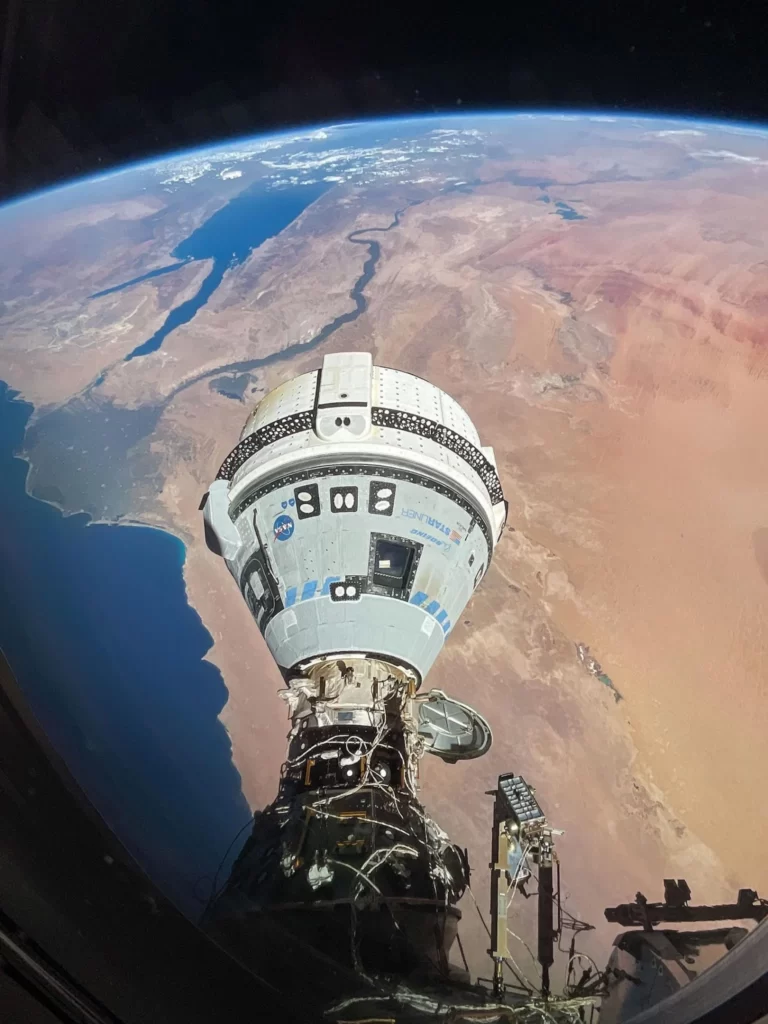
85, 84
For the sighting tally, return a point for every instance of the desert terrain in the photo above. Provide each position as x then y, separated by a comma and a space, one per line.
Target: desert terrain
616, 360
624, 422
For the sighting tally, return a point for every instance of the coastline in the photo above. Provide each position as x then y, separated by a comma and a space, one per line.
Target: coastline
576, 723
589, 353
105, 699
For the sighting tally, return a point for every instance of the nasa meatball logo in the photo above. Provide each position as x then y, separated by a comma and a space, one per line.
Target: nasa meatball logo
283, 528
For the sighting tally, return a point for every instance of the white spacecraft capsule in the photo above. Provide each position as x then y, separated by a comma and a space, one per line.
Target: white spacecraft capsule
357, 514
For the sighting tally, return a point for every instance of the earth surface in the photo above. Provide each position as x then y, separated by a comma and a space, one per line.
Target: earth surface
594, 291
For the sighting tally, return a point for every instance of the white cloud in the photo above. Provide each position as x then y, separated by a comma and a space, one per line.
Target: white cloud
191, 166
445, 132
676, 131
726, 154
185, 172
294, 161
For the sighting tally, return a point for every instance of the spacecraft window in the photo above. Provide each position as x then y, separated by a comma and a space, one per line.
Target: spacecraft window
344, 499
381, 498
391, 564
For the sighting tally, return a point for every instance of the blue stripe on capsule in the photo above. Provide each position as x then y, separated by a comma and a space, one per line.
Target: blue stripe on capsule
309, 590
327, 585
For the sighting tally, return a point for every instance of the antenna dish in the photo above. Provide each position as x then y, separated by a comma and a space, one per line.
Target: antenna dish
452, 730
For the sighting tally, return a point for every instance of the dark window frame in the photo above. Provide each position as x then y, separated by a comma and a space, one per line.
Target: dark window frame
403, 592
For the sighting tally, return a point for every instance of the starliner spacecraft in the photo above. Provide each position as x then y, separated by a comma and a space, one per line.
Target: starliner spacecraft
357, 514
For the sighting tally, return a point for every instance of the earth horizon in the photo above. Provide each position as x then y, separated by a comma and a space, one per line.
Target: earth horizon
593, 290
